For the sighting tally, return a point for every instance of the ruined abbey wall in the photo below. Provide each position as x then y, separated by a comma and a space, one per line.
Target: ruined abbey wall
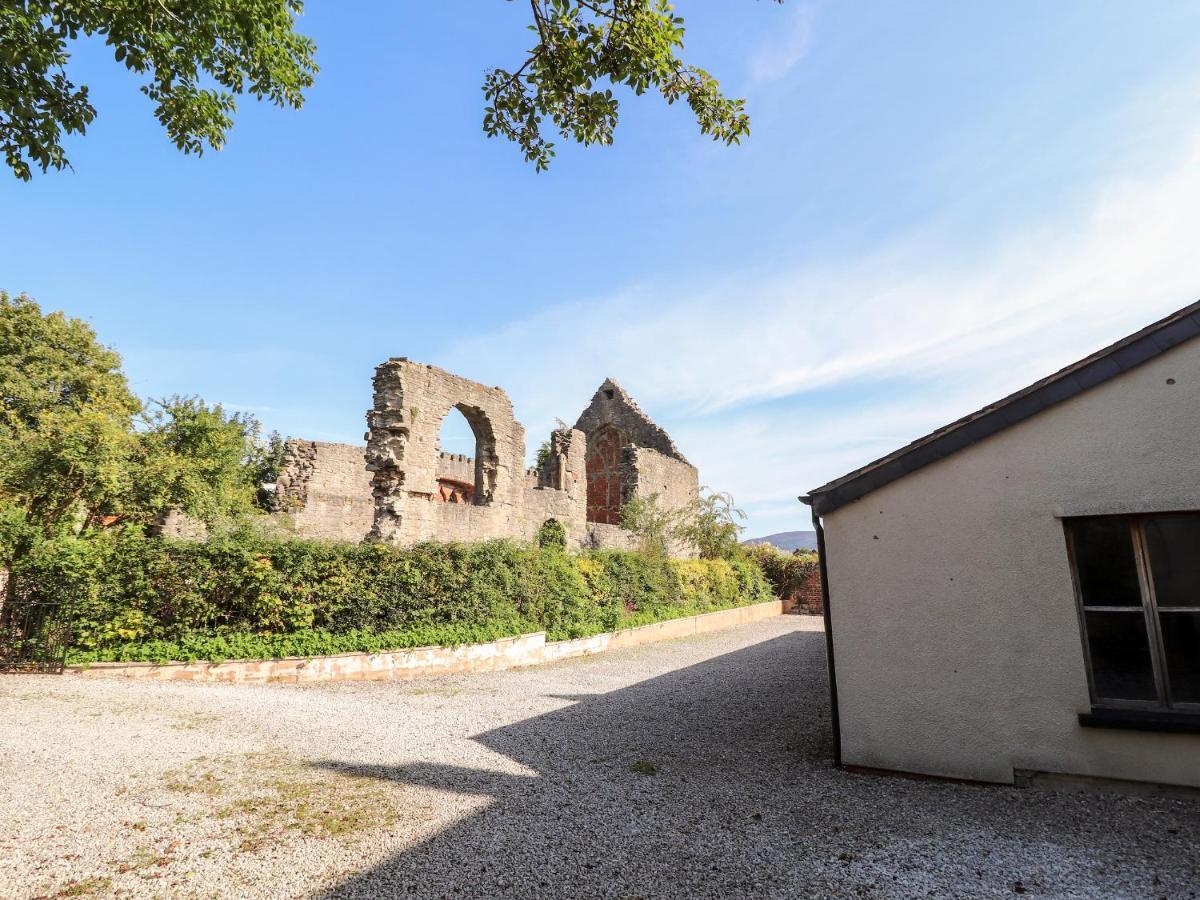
403, 489
410, 401
324, 491
630, 456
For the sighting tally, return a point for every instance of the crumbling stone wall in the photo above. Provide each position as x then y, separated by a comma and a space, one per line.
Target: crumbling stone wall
176, 524
648, 472
455, 478
629, 456
403, 489
608, 485
409, 471
612, 406
324, 491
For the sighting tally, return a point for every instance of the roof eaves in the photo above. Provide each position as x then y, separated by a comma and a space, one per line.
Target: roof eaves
1122, 356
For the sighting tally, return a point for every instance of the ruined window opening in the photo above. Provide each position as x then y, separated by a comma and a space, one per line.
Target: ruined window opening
609, 394
457, 452
466, 462
605, 481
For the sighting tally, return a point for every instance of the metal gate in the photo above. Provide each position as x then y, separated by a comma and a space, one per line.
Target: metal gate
33, 636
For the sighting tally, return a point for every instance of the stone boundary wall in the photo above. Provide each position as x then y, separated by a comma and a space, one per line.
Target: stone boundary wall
403, 665
599, 536
180, 526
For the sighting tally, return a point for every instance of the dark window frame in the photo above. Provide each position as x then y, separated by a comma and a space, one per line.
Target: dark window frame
1165, 703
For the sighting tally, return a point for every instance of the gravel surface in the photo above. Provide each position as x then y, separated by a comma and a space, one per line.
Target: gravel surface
695, 768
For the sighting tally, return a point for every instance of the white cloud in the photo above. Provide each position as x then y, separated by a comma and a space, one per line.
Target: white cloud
749, 370
777, 57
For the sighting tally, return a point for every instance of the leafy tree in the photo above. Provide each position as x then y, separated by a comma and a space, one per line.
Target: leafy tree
196, 56
79, 450
66, 414
52, 362
542, 463
710, 523
265, 462
653, 525
194, 457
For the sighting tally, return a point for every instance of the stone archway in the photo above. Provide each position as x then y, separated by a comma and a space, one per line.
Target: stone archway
411, 401
487, 460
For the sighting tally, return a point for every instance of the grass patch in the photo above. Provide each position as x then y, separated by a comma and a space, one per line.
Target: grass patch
265, 798
88, 887
191, 781
142, 859
321, 806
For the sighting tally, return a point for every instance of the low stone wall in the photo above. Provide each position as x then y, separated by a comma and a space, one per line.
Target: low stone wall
403, 665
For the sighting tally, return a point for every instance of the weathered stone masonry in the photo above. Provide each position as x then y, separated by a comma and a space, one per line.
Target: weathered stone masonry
411, 400
403, 489
324, 491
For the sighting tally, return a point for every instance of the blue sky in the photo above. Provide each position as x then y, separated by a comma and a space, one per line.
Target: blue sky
938, 204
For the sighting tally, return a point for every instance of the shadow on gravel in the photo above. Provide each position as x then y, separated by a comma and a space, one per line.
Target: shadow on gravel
620, 777
715, 781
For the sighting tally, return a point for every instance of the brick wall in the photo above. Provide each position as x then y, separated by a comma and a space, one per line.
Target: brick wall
807, 597
605, 485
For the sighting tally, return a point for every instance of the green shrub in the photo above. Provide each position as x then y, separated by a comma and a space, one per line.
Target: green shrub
552, 535
243, 595
786, 572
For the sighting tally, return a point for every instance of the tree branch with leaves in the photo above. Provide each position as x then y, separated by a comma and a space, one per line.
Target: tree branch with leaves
584, 45
196, 57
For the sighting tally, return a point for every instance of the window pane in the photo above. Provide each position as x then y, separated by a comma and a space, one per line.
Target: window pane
1105, 563
1174, 543
1181, 641
1121, 667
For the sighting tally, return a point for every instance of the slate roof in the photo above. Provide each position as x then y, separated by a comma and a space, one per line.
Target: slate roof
1112, 361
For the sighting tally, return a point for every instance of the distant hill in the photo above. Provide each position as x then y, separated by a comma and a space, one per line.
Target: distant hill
787, 540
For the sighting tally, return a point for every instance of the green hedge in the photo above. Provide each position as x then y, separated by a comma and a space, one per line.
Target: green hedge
787, 572
246, 597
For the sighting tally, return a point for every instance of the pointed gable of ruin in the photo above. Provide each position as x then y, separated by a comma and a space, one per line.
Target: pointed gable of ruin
611, 405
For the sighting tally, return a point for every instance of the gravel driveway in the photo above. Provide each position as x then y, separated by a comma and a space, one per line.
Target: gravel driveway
695, 768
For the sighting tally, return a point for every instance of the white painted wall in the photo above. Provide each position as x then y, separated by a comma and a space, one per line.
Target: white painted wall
955, 629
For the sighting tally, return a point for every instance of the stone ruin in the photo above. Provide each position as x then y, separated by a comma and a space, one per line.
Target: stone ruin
403, 489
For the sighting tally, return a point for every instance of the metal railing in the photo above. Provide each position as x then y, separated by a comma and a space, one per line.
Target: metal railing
34, 636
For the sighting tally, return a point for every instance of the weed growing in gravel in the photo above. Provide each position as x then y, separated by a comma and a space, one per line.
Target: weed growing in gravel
192, 782
270, 796
641, 767
142, 859
195, 721
89, 887
341, 807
